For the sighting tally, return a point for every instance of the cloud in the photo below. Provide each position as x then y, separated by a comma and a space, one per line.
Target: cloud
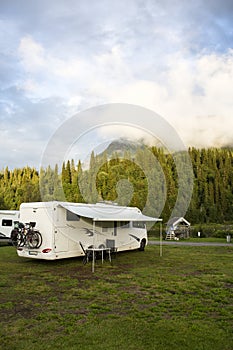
194, 95
26, 126
32, 55
35, 59
43, 73
189, 88
62, 57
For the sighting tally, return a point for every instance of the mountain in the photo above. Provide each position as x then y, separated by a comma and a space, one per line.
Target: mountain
121, 146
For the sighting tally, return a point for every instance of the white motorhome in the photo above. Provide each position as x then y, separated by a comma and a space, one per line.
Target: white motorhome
8, 218
69, 229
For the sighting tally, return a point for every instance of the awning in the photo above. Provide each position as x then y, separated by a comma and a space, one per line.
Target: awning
104, 212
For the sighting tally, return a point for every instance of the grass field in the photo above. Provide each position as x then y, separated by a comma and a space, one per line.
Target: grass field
182, 300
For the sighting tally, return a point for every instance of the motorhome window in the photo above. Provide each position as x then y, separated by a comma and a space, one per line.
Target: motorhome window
70, 216
139, 224
6, 222
124, 224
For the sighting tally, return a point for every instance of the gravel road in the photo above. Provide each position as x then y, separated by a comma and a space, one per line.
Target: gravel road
193, 244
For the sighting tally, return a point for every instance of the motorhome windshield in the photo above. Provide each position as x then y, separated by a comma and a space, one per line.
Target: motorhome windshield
139, 224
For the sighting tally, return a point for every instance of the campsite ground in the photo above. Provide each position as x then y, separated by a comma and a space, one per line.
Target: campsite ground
182, 300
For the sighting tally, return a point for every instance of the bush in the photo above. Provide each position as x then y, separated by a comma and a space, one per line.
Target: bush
212, 230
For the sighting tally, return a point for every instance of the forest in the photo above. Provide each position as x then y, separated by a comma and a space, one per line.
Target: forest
148, 179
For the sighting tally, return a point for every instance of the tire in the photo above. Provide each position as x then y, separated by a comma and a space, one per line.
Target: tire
101, 246
17, 238
34, 239
14, 234
142, 245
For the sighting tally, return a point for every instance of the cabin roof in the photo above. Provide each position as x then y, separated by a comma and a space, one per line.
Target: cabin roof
9, 212
177, 220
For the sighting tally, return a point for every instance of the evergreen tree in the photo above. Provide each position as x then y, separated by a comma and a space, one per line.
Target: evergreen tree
149, 179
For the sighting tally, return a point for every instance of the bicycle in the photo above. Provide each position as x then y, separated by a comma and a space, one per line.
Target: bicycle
26, 236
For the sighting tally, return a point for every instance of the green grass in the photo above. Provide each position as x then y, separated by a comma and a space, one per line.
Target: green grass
206, 239
182, 300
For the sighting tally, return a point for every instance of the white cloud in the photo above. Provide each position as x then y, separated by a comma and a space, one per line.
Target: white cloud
195, 94
47, 75
131, 132
190, 90
173, 58
32, 55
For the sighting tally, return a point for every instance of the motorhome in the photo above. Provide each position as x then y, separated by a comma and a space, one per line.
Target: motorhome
8, 218
69, 229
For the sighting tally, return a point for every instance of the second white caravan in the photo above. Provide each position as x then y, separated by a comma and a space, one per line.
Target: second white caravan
69, 229
8, 219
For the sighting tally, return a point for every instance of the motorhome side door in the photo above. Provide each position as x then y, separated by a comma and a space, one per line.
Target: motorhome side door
109, 234
61, 233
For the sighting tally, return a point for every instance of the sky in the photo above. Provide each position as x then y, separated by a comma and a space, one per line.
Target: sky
59, 58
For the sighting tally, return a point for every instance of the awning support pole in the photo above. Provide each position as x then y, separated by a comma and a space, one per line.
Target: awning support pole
93, 253
161, 240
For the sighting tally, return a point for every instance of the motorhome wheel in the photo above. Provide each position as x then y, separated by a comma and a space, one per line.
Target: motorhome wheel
142, 245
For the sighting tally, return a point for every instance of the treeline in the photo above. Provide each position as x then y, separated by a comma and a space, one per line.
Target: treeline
148, 179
